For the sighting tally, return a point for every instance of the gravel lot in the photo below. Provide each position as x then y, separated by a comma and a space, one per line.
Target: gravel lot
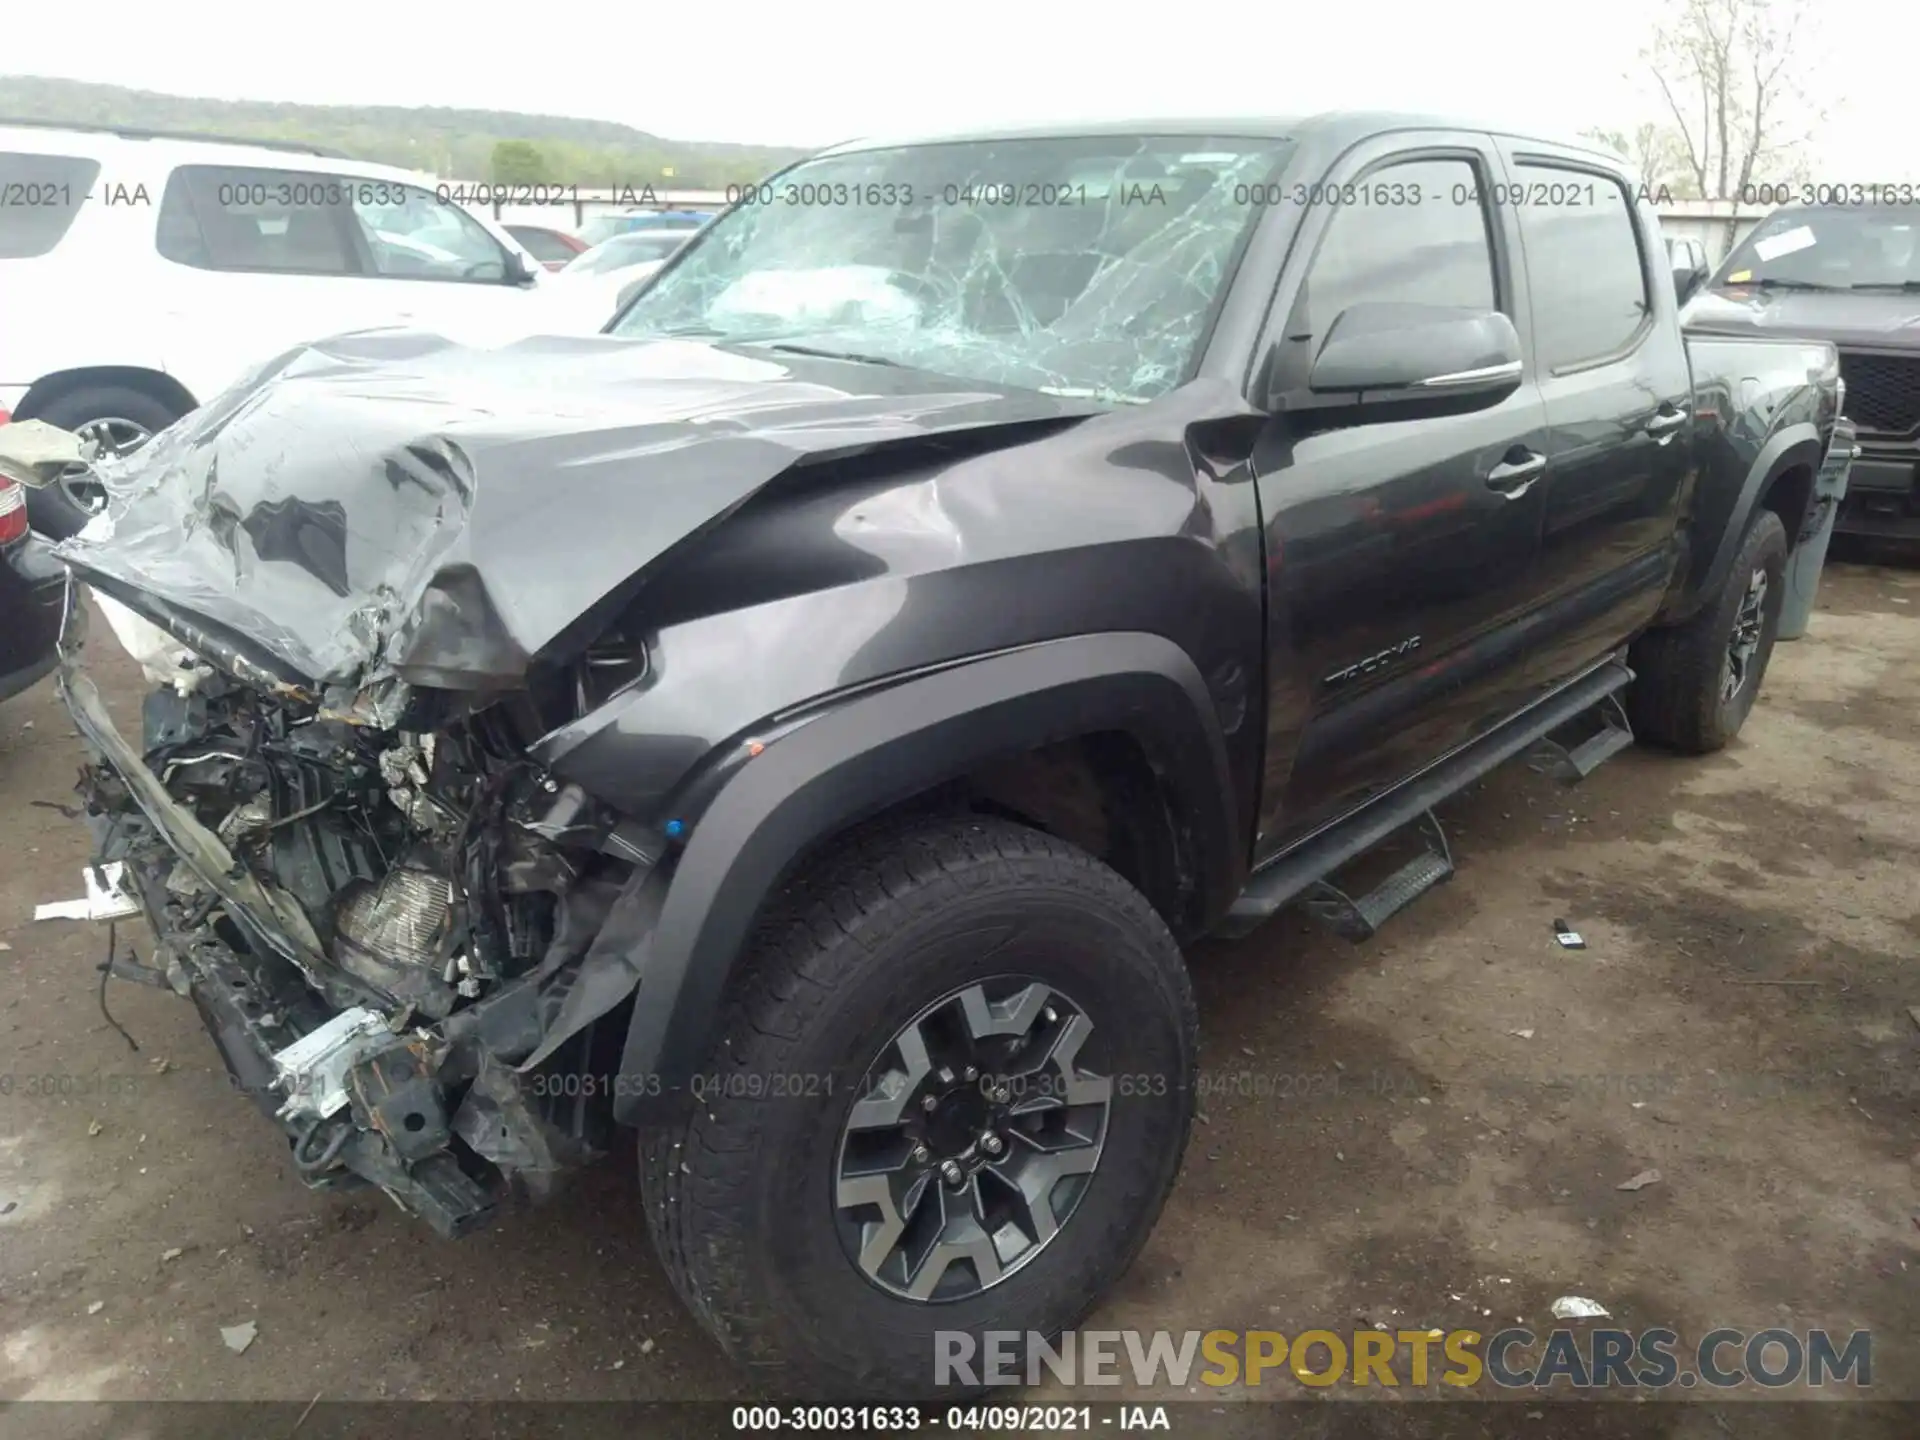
1426, 1130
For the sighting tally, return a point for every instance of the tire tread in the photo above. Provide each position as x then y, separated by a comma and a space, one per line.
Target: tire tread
1674, 701
837, 907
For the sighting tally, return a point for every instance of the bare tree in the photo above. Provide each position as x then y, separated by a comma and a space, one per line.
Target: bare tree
1732, 74
1656, 154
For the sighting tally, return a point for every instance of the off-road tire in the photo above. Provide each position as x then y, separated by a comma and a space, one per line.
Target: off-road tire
739, 1188
50, 509
1676, 699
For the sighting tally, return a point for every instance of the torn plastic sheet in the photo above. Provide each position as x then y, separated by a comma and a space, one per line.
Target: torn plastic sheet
161, 658
498, 1122
391, 505
35, 454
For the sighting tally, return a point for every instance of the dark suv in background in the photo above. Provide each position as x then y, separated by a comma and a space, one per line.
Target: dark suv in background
1850, 275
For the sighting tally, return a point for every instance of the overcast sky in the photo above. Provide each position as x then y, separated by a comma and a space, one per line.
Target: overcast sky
824, 70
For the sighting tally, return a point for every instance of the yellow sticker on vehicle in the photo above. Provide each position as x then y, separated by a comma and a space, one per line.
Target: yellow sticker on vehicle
1739, 276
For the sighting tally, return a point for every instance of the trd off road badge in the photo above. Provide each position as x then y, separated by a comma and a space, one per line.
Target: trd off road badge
1373, 662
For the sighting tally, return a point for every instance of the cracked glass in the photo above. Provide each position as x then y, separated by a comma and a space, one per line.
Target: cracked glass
1084, 266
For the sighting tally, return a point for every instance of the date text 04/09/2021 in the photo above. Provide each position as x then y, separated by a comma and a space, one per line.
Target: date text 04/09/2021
58, 194
536, 193
1360, 194
904, 194
958, 1419
732, 1085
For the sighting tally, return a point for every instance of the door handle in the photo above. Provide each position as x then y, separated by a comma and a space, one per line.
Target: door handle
1512, 478
1666, 421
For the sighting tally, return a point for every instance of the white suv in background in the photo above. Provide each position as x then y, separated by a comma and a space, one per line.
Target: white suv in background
143, 273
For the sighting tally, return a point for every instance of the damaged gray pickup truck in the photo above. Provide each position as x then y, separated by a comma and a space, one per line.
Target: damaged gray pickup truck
805, 722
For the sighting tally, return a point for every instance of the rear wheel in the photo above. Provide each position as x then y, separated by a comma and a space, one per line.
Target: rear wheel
1696, 683
951, 1092
110, 420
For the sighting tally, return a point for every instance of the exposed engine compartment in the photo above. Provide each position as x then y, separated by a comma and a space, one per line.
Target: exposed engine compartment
398, 927
418, 857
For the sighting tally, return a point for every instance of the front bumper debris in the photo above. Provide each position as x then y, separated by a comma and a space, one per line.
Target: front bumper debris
430, 1114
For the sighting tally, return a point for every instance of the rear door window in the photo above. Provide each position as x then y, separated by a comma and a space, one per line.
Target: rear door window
1590, 294
220, 217
39, 196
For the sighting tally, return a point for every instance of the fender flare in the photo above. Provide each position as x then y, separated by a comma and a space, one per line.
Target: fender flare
1776, 456
881, 747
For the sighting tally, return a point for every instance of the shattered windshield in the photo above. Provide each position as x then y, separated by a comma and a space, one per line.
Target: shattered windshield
1087, 265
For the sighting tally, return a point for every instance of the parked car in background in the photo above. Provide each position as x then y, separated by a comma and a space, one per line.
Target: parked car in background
32, 590
552, 248
1849, 275
807, 725
604, 227
212, 256
595, 282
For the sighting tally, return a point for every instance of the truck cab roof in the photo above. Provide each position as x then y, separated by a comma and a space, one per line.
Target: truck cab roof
1330, 129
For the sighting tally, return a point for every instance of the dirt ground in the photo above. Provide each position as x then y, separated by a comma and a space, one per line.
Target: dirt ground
1427, 1130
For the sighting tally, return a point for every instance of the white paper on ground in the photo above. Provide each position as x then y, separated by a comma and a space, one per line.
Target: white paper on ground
108, 902
1578, 1307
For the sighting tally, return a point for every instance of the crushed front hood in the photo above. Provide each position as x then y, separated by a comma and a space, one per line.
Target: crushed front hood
391, 504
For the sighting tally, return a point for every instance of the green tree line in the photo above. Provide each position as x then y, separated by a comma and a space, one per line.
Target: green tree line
453, 143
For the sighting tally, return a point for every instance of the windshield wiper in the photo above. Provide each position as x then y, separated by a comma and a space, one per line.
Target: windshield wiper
1771, 282
1896, 287
820, 354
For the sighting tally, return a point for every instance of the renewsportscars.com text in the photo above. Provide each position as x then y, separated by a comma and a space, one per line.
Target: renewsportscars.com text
1514, 1358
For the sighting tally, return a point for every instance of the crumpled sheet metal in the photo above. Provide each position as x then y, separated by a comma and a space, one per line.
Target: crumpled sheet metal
393, 505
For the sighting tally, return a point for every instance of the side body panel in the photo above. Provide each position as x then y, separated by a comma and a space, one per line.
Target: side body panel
1620, 421
1765, 407
1397, 576
1125, 522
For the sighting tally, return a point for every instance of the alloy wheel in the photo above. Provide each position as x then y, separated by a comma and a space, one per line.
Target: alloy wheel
1744, 642
974, 1136
100, 439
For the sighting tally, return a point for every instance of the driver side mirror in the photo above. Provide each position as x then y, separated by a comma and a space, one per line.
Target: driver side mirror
517, 271
1689, 274
1392, 360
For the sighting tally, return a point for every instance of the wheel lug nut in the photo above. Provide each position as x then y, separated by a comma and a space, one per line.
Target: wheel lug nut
950, 1172
970, 1073
920, 1152
991, 1143
930, 1102
1000, 1094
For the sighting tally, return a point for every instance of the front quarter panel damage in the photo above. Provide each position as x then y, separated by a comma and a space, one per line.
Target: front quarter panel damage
392, 505
1111, 525
379, 808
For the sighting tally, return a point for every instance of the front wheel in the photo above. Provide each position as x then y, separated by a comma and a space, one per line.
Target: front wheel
1696, 683
951, 1092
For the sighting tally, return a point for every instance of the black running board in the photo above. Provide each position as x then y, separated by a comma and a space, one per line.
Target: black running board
1293, 873
1572, 759
1360, 917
